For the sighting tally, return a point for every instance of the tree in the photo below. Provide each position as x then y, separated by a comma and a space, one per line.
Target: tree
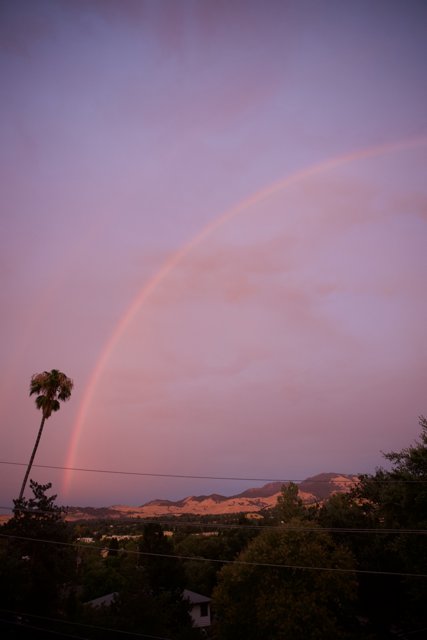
289, 504
38, 559
399, 497
51, 387
385, 516
164, 572
258, 597
395, 503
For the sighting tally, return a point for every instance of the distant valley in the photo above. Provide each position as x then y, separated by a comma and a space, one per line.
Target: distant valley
312, 490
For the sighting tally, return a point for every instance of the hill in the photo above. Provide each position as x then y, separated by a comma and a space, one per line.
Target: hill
311, 490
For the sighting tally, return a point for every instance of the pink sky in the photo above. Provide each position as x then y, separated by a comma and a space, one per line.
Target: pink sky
214, 219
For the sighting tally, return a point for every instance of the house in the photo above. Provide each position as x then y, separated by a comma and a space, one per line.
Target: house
103, 601
200, 608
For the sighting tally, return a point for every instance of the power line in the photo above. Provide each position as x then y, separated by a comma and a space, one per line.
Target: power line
260, 528
414, 631
197, 477
25, 625
72, 623
219, 560
255, 527
157, 475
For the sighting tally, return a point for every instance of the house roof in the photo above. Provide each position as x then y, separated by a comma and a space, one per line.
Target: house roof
194, 598
103, 600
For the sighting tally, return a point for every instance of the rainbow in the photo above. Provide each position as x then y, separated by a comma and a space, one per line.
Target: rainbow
175, 258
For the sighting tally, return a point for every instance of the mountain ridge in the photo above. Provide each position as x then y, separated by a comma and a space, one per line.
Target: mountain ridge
312, 490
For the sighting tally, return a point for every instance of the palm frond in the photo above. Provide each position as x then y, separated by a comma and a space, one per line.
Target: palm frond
54, 406
52, 387
40, 402
38, 382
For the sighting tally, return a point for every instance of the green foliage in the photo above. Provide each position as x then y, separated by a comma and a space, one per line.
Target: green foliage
201, 576
397, 499
223, 544
113, 548
389, 502
289, 504
162, 570
38, 560
253, 601
99, 576
148, 587
140, 610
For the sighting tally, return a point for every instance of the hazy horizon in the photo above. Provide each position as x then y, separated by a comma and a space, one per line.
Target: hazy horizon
240, 486
214, 221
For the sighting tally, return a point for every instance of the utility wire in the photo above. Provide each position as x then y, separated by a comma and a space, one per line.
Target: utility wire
75, 624
218, 560
196, 477
281, 527
162, 475
25, 625
259, 527
414, 631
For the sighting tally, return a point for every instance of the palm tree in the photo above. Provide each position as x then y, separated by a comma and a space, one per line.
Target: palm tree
51, 387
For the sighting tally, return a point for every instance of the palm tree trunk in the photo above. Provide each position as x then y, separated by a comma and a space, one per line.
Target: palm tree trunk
30, 464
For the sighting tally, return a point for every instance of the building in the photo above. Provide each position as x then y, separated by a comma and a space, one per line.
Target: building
200, 608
